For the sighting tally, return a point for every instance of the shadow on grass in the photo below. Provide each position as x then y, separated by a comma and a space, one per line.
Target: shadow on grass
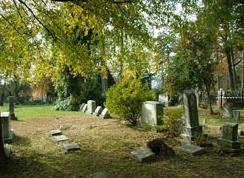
86, 162
18, 140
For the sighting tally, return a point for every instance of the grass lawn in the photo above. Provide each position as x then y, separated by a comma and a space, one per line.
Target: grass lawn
105, 146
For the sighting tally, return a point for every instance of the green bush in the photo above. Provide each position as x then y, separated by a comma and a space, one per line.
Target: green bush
173, 121
69, 104
125, 98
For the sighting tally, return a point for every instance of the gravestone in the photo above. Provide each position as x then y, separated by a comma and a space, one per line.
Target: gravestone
71, 147
105, 114
163, 98
143, 154
8, 133
98, 111
91, 106
60, 138
84, 108
152, 113
192, 149
55, 132
228, 110
11, 108
236, 116
81, 106
192, 127
229, 142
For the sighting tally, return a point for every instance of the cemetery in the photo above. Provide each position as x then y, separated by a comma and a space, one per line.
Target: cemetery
121, 89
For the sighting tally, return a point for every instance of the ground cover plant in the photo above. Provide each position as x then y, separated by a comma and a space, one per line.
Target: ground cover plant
105, 146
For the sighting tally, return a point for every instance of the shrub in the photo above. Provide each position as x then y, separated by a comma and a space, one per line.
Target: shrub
173, 121
125, 98
69, 104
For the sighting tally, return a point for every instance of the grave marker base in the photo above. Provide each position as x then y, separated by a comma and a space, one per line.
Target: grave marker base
192, 149
143, 154
71, 147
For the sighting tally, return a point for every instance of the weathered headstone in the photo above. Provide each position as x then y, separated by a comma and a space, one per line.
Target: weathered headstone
91, 106
229, 142
60, 138
11, 108
55, 132
105, 114
98, 111
84, 108
143, 154
163, 98
192, 149
236, 116
8, 133
192, 127
71, 147
81, 106
228, 110
152, 113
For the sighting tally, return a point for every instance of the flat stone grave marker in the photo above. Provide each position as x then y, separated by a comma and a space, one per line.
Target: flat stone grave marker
192, 149
98, 111
71, 147
60, 138
55, 132
105, 114
143, 154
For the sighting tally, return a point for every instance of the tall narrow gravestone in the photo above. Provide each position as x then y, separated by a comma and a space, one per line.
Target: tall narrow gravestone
91, 106
192, 127
8, 133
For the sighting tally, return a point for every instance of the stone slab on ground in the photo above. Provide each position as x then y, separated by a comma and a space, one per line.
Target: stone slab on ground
101, 174
55, 132
192, 149
60, 138
143, 154
68, 147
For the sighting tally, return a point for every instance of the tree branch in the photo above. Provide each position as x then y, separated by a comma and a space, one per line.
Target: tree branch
111, 1
34, 15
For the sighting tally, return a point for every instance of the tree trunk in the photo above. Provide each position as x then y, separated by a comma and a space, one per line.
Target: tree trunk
230, 68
